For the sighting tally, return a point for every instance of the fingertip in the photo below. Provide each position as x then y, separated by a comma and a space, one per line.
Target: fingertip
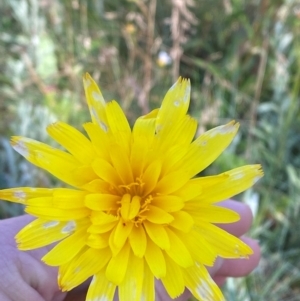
219, 280
244, 223
254, 245
244, 266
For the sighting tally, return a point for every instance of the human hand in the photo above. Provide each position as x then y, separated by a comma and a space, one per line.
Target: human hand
24, 277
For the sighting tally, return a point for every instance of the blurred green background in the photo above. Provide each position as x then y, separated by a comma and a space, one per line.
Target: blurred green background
243, 59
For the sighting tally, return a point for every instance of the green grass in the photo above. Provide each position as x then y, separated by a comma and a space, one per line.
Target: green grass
243, 58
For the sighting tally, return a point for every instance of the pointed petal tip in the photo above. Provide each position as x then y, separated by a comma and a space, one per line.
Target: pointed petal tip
18, 144
230, 128
87, 80
87, 76
53, 125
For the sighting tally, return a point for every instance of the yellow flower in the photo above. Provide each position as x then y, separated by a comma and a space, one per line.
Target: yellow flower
137, 211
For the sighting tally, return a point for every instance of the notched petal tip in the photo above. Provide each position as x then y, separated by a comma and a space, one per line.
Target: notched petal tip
184, 90
259, 173
183, 80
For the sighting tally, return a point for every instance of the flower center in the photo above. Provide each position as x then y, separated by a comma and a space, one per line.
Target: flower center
130, 206
133, 208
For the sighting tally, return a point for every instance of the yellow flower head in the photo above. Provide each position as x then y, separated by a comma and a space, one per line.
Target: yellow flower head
136, 212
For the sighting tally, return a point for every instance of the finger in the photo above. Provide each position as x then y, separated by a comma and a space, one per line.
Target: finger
40, 277
12, 282
21, 291
241, 267
59, 296
216, 267
219, 280
11, 226
3, 297
241, 226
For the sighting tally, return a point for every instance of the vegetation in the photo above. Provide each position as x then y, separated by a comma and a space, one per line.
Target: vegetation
243, 58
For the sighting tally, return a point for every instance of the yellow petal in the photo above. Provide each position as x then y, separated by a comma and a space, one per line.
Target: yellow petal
150, 177
199, 248
73, 141
67, 249
138, 155
102, 202
177, 251
117, 266
158, 234
22, 194
122, 232
174, 105
155, 259
193, 188
142, 137
106, 172
190, 190
102, 228
41, 232
118, 125
114, 249
183, 221
133, 281
95, 102
98, 240
148, 291
169, 203
201, 285
173, 281
121, 164
181, 133
68, 198
236, 181
135, 206
171, 182
85, 172
206, 148
173, 144
96, 186
138, 241
145, 127
40, 202
100, 288
100, 140
212, 214
50, 213
158, 216
223, 243
57, 162
83, 267
101, 218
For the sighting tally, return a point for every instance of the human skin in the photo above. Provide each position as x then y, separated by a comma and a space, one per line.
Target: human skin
24, 277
